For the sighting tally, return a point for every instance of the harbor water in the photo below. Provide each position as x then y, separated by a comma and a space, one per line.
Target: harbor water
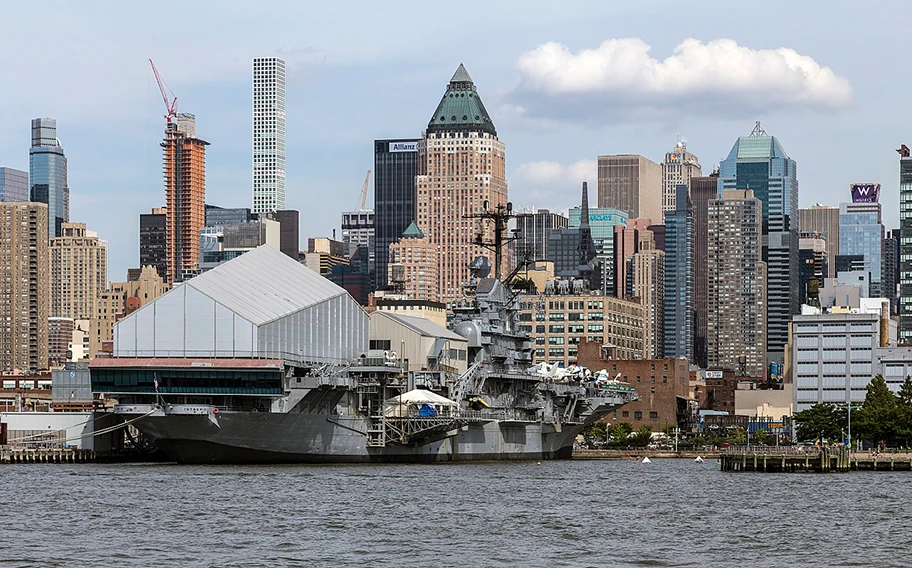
560, 513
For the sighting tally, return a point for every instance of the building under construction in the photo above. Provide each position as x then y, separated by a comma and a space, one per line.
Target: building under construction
185, 187
185, 193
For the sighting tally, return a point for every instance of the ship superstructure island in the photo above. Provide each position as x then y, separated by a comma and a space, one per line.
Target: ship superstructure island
264, 361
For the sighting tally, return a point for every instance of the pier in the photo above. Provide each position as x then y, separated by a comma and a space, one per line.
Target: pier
11, 455
814, 460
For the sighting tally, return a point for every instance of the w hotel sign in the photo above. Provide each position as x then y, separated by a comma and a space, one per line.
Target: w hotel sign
865, 192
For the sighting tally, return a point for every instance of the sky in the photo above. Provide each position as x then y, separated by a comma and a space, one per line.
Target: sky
563, 82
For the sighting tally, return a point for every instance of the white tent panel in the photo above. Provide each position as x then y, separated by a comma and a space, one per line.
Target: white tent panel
244, 339
333, 331
167, 335
199, 325
183, 323
260, 304
225, 337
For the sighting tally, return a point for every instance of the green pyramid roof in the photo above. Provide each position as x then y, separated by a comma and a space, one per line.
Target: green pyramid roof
412, 232
461, 75
461, 109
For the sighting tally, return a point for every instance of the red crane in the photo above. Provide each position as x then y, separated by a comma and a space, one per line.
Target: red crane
170, 107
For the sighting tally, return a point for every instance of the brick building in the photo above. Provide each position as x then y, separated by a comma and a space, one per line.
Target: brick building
559, 323
662, 385
721, 386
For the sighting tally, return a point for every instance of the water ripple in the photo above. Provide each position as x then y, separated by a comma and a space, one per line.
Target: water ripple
560, 514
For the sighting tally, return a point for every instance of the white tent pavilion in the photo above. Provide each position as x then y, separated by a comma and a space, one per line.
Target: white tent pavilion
409, 404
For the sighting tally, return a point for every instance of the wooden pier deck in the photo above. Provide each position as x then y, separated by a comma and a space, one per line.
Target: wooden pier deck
824, 460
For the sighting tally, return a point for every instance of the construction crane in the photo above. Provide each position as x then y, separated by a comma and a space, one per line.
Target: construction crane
170, 107
364, 191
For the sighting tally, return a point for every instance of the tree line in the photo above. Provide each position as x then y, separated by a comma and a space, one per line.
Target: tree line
882, 419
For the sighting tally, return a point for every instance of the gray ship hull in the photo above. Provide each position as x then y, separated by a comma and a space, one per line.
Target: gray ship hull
319, 438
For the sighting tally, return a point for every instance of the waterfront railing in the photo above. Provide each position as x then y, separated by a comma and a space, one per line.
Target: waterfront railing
771, 450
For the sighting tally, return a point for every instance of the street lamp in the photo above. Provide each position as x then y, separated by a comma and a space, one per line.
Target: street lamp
850, 423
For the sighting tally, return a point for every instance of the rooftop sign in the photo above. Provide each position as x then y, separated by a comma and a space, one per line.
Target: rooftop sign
403, 147
865, 192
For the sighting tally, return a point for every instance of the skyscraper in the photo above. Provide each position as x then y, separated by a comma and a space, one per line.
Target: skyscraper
678, 168
679, 302
185, 193
736, 280
647, 276
48, 174
289, 229
861, 233
758, 162
702, 189
573, 250
905, 245
627, 239
24, 286
79, 272
395, 168
630, 183
586, 246
890, 268
461, 170
216, 215
358, 230
532, 232
153, 241
268, 134
824, 221
60, 334
413, 265
601, 226
812, 257
13, 185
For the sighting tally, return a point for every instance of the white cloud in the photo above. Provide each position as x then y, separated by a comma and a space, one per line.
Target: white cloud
547, 173
551, 184
718, 76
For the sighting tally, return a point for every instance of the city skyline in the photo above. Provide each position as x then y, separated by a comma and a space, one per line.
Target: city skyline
852, 105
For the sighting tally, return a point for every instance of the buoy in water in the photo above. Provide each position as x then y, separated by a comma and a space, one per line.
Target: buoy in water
537, 463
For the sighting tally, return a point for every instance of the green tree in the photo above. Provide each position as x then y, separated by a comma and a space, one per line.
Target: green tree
904, 411
715, 439
642, 436
820, 421
905, 392
737, 436
597, 432
761, 437
620, 433
878, 420
524, 285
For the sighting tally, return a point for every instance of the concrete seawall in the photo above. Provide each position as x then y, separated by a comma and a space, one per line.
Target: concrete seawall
641, 452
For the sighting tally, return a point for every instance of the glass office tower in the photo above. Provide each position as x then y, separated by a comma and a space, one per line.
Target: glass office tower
13, 185
395, 168
48, 174
758, 163
679, 277
861, 232
905, 245
602, 221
